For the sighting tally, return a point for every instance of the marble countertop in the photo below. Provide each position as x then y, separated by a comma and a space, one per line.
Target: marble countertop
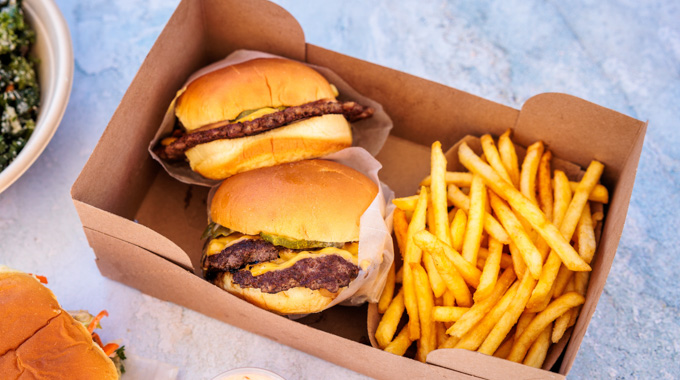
621, 55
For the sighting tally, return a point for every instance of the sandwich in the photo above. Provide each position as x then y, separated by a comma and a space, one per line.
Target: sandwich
286, 237
41, 340
258, 113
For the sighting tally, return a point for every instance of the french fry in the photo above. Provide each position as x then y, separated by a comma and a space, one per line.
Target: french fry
475, 336
529, 252
506, 260
564, 275
492, 267
527, 179
562, 198
491, 224
523, 322
388, 324
414, 256
541, 322
539, 350
428, 337
524, 207
480, 309
504, 350
406, 203
459, 179
504, 325
400, 226
517, 260
599, 194
437, 284
430, 218
508, 155
448, 298
458, 229
545, 192
469, 272
450, 342
438, 193
399, 277
388, 291
493, 157
453, 280
475, 224
586, 235
448, 313
401, 343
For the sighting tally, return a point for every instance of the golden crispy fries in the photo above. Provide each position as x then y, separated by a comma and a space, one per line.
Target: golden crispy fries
504, 325
430, 217
599, 194
509, 157
469, 272
453, 280
448, 299
562, 197
517, 260
388, 324
428, 337
449, 313
414, 256
504, 350
523, 322
406, 203
539, 350
437, 284
388, 291
479, 309
529, 252
541, 322
400, 229
441, 333
458, 229
491, 225
492, 267
545, 193
527, 179
401, 343
459, 179
586, 235
506, 260
493, 157
438, 193
475, 224
564, 275
474, 337
524, 207
561, 326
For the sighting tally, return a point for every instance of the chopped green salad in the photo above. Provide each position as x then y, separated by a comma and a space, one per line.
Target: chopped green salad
18, 82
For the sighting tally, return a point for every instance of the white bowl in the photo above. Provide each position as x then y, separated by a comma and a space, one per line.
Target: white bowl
55, 74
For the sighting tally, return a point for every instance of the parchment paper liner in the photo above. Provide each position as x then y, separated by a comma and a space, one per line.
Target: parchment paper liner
369, 134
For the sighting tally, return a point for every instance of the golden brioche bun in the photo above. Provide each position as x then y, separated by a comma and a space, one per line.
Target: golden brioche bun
304, 139
297, 300
264, 82
316, 200
41, 339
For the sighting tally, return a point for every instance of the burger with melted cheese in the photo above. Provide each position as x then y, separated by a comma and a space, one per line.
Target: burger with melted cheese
286, 237
258, 113
39, 340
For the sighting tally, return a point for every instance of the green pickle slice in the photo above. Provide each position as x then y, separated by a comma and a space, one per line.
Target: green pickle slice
291, 243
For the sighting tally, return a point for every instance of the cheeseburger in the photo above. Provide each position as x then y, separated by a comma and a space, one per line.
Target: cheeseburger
286, 237
39, 340
258, 113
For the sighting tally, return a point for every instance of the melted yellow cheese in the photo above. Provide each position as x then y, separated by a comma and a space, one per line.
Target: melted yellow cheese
257, 114
219, 244
288, 259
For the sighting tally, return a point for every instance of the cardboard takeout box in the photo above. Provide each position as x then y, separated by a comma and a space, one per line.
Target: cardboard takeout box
144, 226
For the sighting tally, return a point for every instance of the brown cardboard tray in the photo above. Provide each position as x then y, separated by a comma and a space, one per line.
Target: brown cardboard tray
144, 227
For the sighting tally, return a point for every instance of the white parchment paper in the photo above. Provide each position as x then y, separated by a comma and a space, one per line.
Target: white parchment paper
369, 134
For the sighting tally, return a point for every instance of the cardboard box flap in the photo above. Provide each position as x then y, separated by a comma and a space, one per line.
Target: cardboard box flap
410, 101
254, 25
487, 367
137, 234
559, 121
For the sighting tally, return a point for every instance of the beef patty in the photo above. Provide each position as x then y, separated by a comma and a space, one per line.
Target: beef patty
227, 130
330, 272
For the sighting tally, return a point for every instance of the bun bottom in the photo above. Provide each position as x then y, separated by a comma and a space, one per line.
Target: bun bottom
309, 138
297, 300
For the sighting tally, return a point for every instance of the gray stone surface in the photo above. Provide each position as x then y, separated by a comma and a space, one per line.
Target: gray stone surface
623, 55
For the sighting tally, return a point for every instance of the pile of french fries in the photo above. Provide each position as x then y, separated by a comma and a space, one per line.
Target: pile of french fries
496, 259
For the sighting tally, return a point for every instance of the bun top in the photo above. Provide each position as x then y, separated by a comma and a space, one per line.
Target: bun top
264, 82
42, 337
306, 200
